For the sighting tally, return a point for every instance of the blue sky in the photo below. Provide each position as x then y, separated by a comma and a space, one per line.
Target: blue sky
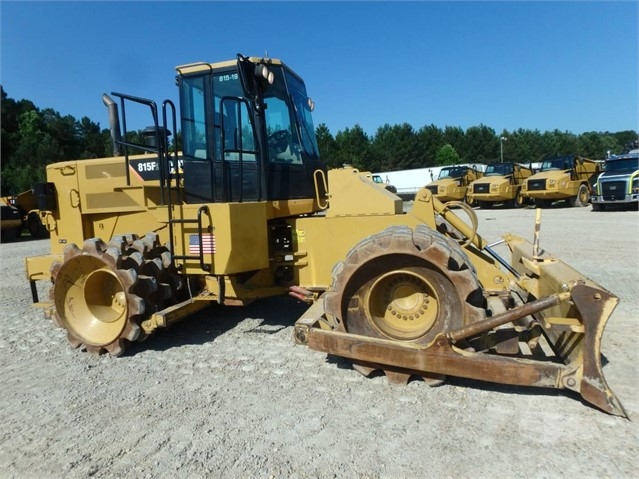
570, 66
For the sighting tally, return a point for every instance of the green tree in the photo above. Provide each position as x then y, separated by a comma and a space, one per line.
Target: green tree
454, 136
430, 138
10, 120
394, 148
481, 145
353, 148
90, 139
327, 146
447, 155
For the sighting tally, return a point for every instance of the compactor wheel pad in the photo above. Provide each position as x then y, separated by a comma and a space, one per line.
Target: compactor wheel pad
103, 292
404, 285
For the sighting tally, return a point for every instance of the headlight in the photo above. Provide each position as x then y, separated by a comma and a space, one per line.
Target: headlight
635, 185
552, 182
442, 189
494, 187
263, 72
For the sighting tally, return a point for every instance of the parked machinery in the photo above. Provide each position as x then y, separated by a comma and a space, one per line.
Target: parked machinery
562, 178
378, 179
247, 211
452, 183
619, 183
33, 219
10, 222
501, 184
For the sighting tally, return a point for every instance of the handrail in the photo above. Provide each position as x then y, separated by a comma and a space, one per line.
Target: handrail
320, 173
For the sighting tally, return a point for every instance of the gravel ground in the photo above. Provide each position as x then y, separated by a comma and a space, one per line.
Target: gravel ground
226, 393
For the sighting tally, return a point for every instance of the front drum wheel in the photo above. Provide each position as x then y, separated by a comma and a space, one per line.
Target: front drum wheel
405, 285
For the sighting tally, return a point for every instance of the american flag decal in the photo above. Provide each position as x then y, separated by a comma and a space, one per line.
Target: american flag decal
208, 244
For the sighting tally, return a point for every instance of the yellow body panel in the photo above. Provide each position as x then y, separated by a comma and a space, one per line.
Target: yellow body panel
353, 193
238, 234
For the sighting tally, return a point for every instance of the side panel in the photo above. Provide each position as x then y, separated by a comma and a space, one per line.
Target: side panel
234, 238
66, 222
321, 242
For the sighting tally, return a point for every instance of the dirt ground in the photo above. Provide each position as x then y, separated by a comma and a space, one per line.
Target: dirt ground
227, 394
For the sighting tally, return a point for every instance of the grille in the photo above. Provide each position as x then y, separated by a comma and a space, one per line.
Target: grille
536, 184
481, 187
432, 189
613, 190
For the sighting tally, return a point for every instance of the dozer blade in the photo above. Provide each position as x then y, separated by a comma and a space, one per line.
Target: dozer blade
574, 329
576, 365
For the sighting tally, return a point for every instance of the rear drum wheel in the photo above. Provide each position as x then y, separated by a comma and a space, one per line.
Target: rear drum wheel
103, 292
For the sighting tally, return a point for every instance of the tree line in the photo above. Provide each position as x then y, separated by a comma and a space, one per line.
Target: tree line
34, 137
401, 147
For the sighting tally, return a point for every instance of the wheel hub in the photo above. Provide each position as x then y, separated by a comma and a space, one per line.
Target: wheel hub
94, 305
402, 305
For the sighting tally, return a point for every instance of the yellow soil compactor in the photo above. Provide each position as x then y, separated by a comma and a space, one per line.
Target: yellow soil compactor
247, 210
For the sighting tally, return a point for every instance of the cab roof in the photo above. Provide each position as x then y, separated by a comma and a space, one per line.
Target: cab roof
197, 67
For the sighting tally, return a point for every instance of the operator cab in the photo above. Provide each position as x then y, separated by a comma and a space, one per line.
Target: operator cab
558, 163
452, 172
500, 169
247, 132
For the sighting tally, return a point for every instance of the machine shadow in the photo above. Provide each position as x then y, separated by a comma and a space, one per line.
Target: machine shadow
273, 314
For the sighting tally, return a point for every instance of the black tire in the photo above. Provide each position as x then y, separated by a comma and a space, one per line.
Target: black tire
36, 228
582, 198
10, 234
470, 202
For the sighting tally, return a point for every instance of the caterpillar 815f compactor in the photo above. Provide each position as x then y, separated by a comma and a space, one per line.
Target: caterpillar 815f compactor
246, 210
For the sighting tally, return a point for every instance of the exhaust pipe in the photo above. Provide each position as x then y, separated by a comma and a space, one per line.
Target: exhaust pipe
114, 123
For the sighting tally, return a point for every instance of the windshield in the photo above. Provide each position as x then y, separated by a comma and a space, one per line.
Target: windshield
499, 169
302, 114
452, 172
559, 163
623, 164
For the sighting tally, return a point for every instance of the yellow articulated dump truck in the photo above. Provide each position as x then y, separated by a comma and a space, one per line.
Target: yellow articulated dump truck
562, 178
33, 219
10, 222
247, 210
501, 184
452, 183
